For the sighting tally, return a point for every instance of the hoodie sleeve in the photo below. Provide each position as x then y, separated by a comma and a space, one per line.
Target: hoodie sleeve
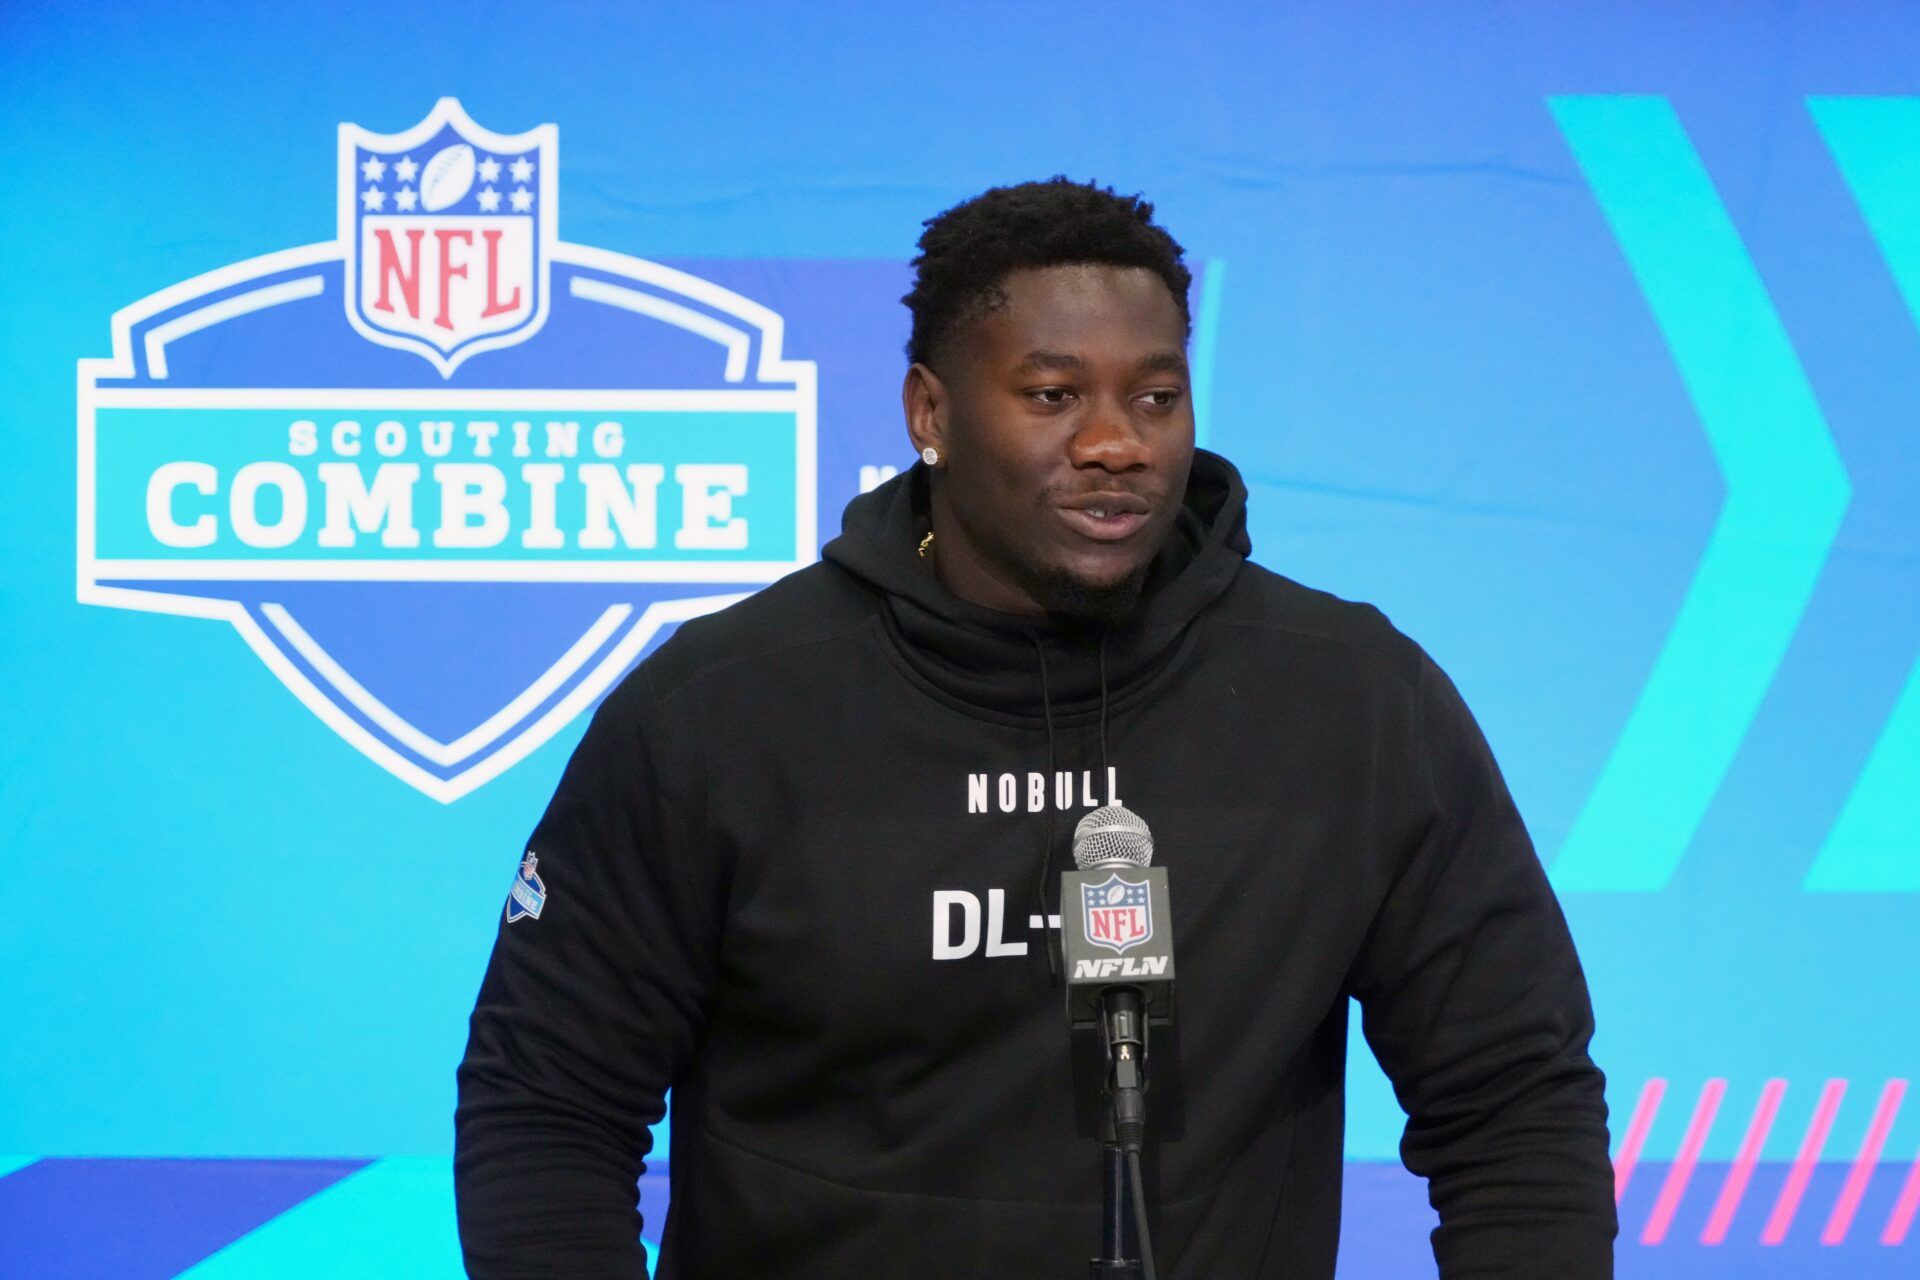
587, 1011
1475, 1004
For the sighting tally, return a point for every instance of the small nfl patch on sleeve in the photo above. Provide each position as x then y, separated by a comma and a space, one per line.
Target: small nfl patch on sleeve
529, 894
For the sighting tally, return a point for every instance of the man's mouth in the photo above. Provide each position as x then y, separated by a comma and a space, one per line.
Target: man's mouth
1106, 517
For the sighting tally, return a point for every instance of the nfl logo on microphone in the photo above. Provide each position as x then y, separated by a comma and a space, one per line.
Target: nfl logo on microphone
1119, 913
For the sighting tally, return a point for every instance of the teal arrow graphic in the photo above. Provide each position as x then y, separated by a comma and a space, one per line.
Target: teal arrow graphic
1206, 341
1786, 492
1874, 846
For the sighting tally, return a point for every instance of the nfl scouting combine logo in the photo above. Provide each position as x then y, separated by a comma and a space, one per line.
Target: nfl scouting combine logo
447, 474
529, 893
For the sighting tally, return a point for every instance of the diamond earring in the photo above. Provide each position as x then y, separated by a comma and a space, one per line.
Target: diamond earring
930, 456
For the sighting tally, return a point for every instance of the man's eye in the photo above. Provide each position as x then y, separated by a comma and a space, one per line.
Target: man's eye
1051, 395
1163, 397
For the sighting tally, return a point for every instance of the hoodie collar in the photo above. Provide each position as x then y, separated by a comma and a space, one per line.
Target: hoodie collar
987, 658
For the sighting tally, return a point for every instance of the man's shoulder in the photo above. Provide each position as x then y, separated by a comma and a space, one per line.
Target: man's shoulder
808, 608
1295, 614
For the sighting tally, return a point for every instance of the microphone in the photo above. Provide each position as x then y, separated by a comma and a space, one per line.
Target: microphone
1117, 938
1114, 836
1115, 916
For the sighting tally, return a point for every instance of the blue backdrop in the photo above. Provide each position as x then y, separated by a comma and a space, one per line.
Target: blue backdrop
1582, 339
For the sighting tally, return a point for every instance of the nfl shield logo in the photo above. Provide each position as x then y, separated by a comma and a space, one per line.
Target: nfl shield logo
449, 231
1119, 913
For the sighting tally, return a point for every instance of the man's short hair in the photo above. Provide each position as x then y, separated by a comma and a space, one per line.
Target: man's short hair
967, 252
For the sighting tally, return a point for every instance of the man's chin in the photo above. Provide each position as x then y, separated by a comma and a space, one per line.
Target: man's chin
1069, 598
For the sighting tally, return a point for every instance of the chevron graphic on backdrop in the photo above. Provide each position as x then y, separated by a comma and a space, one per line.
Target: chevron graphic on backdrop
1786, 491
1874, 846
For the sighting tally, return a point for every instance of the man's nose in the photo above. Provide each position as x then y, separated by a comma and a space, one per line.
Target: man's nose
1108, 438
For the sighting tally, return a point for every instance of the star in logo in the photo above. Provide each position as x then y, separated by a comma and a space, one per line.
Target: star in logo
521, 199
372, 168
404, 169
490, 170
373, 198
489, 199
522, 169
404, 199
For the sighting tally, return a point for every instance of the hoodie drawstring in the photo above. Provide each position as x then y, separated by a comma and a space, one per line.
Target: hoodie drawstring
1104, 774
1046, 863
1054, 958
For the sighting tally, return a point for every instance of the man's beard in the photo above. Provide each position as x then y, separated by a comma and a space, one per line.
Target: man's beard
1068, 599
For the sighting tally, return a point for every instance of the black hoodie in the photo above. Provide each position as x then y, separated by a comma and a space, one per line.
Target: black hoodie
795, 871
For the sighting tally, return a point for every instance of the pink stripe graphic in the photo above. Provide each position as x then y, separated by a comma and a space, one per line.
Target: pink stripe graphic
1902, 1216
1864, 1164
1810, 1147
1637, 1129
1675, 1187
1735, 1186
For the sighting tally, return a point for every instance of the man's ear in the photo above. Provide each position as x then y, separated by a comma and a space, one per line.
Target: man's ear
923, 397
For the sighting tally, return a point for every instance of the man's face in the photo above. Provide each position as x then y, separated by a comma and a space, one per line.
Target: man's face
1065, 427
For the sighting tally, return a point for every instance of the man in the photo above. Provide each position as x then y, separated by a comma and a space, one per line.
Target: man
1051, 610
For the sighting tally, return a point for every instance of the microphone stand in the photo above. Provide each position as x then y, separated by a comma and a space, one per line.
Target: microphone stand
1113, 1262
1123, 1035
1116, 915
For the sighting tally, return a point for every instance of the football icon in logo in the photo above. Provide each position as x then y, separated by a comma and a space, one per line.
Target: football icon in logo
447, 178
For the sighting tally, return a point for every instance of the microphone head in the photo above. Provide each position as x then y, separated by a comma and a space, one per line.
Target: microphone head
1109, 836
